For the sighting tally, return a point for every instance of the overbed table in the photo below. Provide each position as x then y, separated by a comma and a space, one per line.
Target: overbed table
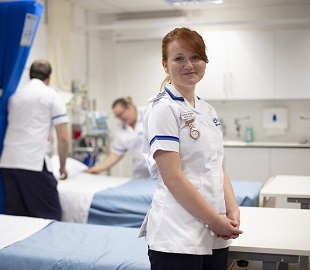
273, 235
294, 188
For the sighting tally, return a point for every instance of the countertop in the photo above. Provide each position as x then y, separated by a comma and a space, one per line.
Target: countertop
261, 144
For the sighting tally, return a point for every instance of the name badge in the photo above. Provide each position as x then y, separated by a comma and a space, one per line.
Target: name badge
187, 116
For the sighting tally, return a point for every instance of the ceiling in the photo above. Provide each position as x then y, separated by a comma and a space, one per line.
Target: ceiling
142, 6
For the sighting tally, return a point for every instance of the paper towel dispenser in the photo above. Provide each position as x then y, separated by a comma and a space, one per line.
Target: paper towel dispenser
275, 121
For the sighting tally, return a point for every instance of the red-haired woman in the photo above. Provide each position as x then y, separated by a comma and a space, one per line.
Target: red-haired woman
194, 213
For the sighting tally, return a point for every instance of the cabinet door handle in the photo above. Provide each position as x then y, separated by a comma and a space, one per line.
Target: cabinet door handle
231, 89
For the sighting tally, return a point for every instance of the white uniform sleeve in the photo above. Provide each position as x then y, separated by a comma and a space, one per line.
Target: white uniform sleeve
59, 111
162, 128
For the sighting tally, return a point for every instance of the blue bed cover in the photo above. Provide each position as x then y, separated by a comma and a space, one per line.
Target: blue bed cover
63, 246
125, 205
247, 192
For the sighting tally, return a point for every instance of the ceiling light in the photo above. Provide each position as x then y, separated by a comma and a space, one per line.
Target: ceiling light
193, 2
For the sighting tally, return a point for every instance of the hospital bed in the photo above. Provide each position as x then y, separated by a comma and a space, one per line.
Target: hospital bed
102, 199
64, 245
119, 201
270, 235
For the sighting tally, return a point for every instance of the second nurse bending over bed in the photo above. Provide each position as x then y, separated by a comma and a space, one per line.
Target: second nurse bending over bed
128, 137
194, 213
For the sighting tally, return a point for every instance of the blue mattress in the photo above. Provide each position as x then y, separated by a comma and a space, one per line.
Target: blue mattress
247, 192
63, 245
127, 205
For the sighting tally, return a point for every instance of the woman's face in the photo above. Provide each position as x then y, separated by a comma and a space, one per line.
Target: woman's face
126, 114
184, 66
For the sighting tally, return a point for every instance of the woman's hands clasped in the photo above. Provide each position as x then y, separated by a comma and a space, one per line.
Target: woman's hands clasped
225, 227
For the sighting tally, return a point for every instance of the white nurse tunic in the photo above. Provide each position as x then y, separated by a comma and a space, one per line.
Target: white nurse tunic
129, 139
168, 227
33, 111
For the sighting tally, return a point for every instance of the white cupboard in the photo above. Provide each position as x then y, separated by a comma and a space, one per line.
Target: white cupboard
259, 164
247, 164
213, 85
251, 65
241, 65
292, 64
289, 161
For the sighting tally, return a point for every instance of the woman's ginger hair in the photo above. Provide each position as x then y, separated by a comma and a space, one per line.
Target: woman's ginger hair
188, 39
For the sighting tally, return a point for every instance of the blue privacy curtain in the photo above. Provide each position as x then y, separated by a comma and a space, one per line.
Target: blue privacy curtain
19, 21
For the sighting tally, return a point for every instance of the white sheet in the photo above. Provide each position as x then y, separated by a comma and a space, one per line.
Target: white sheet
77, 191
15, 228
73, 166
76, 194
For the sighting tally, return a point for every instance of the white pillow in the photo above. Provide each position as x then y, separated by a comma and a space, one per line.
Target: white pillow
73, 166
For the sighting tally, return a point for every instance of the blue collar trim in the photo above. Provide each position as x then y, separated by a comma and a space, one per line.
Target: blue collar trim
173, 96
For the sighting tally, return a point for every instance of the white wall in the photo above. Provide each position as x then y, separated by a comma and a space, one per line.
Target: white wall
138, 73
298, 130
130, 52
127, 62
139, 69
59, 38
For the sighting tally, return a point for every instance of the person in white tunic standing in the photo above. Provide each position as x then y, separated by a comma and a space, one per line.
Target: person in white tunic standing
128, 137
30, 188
194, 214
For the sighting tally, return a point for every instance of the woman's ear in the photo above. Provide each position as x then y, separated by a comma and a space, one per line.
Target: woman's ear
165, 67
